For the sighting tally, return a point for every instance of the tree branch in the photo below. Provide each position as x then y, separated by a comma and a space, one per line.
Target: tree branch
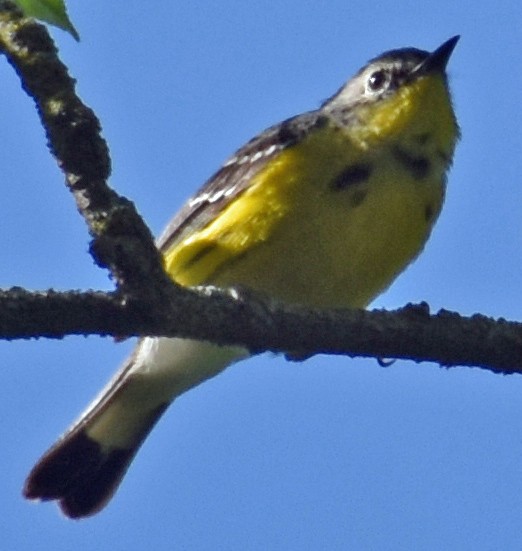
120, 237
146, 302
231, 317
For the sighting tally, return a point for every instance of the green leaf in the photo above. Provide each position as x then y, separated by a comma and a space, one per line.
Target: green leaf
49, 11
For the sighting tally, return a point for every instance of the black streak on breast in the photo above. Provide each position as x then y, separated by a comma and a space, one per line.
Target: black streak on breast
351, 175
418, 167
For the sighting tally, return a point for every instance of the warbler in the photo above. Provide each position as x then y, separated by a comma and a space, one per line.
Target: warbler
324, 209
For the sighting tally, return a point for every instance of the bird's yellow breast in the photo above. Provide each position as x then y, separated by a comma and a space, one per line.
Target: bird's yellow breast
301, 234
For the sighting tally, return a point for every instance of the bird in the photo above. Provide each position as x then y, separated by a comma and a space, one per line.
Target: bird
324, 209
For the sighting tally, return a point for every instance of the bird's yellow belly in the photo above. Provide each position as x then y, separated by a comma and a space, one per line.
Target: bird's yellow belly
377, 231
298, 238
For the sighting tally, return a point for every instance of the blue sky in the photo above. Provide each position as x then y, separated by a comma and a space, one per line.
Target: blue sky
329, 454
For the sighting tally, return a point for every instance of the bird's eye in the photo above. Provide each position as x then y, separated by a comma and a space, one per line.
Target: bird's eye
378, 80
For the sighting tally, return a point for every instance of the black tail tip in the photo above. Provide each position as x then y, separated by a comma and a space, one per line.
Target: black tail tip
78, 474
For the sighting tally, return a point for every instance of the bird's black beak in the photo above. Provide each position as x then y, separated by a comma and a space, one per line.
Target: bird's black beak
437, 60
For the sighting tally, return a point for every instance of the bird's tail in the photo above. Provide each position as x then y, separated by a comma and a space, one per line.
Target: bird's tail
86, 465
80, 473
